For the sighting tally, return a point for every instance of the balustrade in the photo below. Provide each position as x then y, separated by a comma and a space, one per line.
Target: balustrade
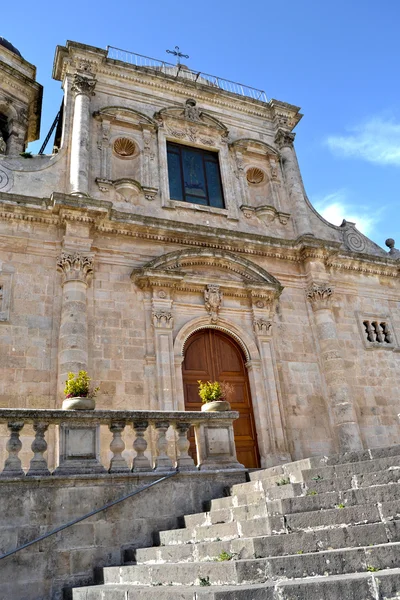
79, 441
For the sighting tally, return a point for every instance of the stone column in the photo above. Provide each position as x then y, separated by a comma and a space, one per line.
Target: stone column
77, 270
83, 87
284, 141
340, 403
163, 323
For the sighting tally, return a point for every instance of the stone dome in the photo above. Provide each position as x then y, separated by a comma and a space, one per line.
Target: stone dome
6, 44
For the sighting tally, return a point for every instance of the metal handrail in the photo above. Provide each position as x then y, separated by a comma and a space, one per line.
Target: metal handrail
93, 512
163, 66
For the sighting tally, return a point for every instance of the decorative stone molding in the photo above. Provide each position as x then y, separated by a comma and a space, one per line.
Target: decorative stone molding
213, 300
262, 326
83, 85
163, 319
6, 274
75, 267
320, 295
284, 138
268, 214
393, 252
149, 192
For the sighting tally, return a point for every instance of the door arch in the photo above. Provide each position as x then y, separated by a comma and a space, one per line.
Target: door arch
212, 355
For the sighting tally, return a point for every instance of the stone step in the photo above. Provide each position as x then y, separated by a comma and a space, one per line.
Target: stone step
249, 571
271, 491
350, 469
274, 545
381, 585
313, 500
341, 515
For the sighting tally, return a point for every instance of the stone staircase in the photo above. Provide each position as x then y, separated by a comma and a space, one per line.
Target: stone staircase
315, 529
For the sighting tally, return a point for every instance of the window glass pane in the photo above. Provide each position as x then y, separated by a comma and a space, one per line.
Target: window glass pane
193, 175
214, 184
174, 175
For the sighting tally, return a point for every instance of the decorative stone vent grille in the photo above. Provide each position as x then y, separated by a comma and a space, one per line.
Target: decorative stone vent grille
124, 147
255, 175
377, 332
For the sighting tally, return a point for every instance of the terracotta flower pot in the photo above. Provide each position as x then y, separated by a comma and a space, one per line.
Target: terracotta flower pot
216, 406
79, 403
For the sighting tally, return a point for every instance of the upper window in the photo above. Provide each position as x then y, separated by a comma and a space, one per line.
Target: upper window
194, 176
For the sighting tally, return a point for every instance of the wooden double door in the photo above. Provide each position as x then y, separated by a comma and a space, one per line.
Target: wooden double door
211, 355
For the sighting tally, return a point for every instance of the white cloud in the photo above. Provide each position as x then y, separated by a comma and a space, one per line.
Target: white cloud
376, 140
335, 207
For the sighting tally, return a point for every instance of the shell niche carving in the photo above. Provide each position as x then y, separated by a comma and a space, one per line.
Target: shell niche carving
255, 175
124, 147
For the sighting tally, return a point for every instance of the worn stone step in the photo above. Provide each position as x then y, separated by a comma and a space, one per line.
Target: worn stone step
350, 469
282, 523
271, 493
275, 545
382, 585
236, 500
231, 572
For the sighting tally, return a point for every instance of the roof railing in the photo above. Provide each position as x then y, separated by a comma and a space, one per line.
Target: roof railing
180, 71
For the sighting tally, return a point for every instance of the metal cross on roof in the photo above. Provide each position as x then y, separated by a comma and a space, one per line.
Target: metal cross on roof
178, 54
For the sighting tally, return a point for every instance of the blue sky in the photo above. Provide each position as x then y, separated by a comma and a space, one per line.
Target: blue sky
338, 60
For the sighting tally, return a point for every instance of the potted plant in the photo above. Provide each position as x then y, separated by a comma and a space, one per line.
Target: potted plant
79, 394
215, 395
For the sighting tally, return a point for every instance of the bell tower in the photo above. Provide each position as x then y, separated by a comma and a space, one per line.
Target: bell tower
20, 100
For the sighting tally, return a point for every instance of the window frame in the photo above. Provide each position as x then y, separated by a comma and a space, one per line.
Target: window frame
203, 153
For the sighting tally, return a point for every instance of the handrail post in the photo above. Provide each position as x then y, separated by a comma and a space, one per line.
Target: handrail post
216, 444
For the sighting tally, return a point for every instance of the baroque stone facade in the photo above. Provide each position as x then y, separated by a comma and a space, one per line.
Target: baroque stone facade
102, 269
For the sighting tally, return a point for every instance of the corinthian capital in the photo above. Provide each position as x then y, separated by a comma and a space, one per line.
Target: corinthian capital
75, 267
284, 138
320, 295
83, 85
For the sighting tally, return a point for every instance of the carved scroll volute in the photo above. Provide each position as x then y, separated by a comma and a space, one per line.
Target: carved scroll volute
320, 295
213, 300
75, 267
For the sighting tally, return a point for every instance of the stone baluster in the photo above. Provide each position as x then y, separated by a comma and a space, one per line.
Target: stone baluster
117, 464
83, 87
12, 465
77, 270
163, 461
184, 461
140, 462
340, 402
38, 464
284, 141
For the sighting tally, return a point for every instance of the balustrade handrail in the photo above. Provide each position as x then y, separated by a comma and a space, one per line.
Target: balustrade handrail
87, 515
104, 416
79, 441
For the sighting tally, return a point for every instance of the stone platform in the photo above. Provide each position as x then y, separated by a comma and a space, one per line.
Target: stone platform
315, 529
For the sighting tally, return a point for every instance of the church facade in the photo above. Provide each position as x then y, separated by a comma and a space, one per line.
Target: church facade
168, 239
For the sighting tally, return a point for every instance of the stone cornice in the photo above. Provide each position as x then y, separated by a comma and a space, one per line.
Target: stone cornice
60, 208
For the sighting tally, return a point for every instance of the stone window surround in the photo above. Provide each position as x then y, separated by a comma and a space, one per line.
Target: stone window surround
231, 210
374, 317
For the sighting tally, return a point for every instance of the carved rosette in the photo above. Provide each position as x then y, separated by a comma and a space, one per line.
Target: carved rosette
83, 85
284, 139
213, 300
75, 267
262, 326
163, 319
320, 295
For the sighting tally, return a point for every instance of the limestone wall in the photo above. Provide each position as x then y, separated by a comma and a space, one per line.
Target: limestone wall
68, 559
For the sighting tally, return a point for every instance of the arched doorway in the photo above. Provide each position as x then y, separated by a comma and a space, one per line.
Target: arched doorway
211, 355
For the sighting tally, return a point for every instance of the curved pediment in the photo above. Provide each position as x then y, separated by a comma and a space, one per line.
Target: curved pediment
190, 112
192, 267
124, 115
256, 146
